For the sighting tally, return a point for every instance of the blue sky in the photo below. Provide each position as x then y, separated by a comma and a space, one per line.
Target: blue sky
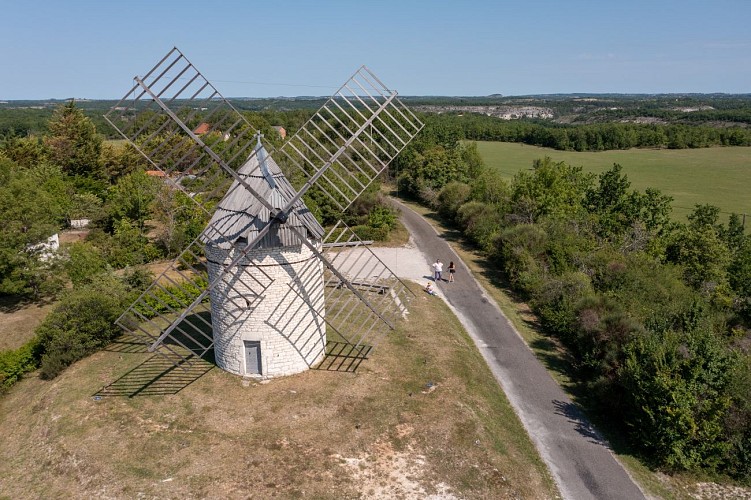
92, 49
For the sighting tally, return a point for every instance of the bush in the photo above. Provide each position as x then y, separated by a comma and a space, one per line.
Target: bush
481, 223
367, 233
451, 197
171, 297
13, 364
521, 248
138, 279
381, 216
85, 262
676, 386
556, 302
83, 322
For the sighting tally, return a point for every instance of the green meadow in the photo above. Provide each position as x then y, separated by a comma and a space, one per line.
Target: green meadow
719, 176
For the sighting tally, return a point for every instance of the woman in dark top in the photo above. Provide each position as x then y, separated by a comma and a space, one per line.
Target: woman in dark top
452, 270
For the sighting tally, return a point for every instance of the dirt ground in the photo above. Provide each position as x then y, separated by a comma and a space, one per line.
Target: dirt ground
421, 418
73, 235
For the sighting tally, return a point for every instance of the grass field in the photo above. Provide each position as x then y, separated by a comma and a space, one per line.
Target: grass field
718, 176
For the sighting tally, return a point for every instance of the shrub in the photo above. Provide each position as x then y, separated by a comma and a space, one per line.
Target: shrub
367, 233
451, 197
13, 364
521, 247
556, 302
381, 216
171, 297
481, 223
738, 420
676, 386
85, 262
138, 278
83, 322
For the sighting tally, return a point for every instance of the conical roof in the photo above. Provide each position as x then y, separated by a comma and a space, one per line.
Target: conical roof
241, 215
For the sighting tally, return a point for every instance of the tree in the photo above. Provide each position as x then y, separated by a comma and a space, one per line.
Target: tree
180, 219
84, 262
116, 162
26, 152
740, 278
703, 255
699, 248
551, 189
451, 197
132, 197
85, 206
655, 211
676, 385
74, 144
33, 204
616, 210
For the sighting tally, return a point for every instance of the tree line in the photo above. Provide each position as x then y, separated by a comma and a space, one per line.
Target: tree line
655, 314
594, 137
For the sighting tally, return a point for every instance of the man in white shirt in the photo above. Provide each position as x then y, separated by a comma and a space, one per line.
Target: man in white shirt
437, 269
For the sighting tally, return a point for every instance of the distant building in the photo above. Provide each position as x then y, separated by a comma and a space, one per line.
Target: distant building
202, 129
282, 131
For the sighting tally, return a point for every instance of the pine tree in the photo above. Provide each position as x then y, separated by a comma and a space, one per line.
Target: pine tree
73, 143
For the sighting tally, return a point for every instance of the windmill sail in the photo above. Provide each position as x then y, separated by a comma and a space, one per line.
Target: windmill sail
351, 139
347, 314
186, 129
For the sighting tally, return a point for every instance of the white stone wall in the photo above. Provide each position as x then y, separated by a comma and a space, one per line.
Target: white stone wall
292, 336
79, 223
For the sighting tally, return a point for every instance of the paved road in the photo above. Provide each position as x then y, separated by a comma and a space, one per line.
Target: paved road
580, 461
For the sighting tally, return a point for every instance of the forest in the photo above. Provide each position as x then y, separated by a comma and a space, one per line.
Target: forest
655, 314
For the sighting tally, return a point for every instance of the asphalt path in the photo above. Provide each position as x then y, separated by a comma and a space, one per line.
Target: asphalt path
579, 460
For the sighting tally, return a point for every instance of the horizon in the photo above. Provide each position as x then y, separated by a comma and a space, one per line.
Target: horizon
420, 48
432, 96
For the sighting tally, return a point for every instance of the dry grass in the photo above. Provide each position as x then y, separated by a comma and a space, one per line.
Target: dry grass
18, 322
384, 431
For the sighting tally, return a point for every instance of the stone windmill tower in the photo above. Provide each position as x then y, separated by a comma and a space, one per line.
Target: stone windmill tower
264, 286
282, 333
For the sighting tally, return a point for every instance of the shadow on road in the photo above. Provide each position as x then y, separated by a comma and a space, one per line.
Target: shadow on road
575, 415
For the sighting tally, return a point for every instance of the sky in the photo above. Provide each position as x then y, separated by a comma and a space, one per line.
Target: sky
92, 49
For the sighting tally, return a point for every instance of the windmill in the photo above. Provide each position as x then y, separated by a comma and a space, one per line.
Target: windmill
263, 284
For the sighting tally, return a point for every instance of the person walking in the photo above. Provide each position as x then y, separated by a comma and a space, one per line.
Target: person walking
437, 270
452, 270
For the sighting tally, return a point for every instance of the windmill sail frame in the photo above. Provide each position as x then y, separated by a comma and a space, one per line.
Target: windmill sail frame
340, 150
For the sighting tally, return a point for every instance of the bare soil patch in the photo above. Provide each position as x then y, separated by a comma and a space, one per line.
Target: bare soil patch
423, 417
73, 235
